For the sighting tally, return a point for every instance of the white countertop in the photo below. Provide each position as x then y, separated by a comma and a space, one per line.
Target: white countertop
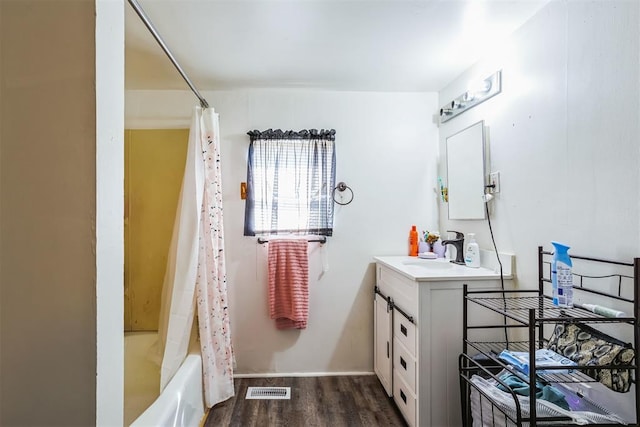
425, 270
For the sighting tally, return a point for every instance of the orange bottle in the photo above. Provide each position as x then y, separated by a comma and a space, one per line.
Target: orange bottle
413, 241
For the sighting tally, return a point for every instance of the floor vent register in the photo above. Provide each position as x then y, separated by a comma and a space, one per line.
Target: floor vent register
268, 393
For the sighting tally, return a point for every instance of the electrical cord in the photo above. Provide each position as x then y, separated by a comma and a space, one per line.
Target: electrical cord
504, 300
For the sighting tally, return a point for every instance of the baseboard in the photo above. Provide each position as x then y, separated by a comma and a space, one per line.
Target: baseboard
300, 374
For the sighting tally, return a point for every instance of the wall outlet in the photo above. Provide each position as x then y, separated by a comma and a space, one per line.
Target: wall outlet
494, 179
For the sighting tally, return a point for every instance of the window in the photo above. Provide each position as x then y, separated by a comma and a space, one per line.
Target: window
290, 179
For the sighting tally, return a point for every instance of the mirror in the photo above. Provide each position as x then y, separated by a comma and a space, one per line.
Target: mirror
465, 173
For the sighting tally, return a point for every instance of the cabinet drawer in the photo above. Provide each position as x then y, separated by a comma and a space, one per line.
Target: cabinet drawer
404, 398
405, 364
405, 332
404, 291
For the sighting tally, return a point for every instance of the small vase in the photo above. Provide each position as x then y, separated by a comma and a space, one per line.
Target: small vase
423, 247
439, 249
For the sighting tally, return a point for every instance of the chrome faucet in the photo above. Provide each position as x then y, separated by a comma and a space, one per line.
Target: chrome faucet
457, 243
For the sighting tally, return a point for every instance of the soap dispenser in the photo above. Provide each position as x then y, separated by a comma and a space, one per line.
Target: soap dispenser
472, 256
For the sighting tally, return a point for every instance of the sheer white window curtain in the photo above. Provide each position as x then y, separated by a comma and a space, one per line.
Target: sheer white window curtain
290, 179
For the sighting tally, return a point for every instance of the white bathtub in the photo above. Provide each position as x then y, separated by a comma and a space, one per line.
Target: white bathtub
180, 404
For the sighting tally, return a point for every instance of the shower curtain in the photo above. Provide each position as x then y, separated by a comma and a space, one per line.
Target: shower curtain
195, 275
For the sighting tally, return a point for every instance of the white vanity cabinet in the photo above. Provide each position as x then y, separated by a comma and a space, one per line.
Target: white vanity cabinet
425, 337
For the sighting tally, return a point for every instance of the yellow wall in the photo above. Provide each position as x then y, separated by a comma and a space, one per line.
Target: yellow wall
154, 166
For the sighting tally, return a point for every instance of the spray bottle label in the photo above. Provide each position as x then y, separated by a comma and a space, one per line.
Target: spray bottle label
554, 283
564, 279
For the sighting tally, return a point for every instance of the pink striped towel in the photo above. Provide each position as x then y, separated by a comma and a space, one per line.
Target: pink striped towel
289, 283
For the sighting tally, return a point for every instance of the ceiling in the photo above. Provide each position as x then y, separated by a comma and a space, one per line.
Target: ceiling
362, 45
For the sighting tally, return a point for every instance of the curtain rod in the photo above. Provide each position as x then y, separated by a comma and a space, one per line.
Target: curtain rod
145, 19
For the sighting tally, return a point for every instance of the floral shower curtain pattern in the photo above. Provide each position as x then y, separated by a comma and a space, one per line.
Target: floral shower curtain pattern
196, 275
211, 282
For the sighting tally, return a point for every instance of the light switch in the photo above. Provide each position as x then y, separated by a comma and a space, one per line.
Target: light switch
494, 179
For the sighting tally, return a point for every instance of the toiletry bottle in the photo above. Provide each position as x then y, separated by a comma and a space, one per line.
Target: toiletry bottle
561, 277
472, 256
604, 311
413, 241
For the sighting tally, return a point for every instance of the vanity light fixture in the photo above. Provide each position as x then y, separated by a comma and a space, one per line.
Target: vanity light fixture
477, 93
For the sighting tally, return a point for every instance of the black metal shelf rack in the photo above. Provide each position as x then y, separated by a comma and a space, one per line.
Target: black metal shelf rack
532, 311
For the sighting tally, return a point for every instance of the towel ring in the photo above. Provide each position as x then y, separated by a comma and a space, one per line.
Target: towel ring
341, 187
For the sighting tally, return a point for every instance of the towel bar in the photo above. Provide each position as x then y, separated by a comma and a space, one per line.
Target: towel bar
321, 240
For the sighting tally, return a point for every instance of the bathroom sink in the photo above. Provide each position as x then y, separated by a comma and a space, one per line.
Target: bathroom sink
430, 264
440, 269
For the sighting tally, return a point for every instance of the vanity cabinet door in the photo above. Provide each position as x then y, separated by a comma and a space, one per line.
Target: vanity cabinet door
382, 354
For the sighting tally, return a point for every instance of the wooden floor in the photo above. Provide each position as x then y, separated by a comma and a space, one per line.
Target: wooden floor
337, 401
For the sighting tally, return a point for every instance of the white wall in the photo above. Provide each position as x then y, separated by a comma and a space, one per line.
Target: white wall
563, 133
386, 152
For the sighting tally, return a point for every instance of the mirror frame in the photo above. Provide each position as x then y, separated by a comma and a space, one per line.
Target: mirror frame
466, 172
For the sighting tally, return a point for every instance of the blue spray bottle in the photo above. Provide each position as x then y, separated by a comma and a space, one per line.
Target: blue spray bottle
561, 277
